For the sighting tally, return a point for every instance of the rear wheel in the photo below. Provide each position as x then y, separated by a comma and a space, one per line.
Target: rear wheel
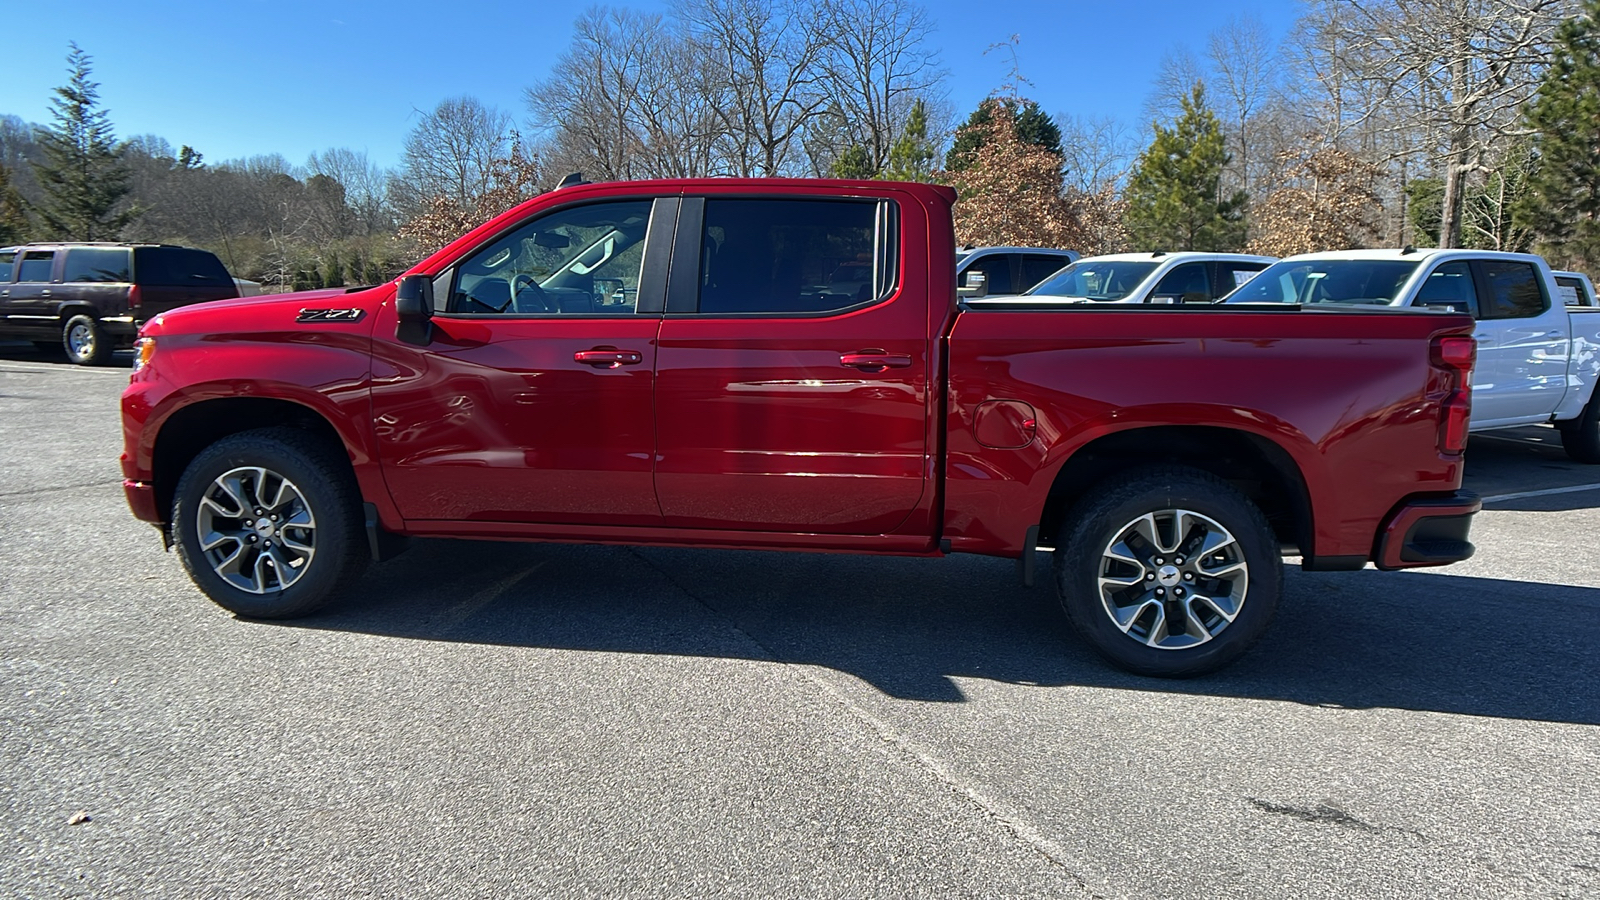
86, 342
1580, 437
268, 523
1169, 572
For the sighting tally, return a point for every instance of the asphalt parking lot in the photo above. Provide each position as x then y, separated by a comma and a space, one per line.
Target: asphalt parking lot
537, 720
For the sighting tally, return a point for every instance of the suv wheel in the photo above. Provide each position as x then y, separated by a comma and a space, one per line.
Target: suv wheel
86, 342
1169, 571
268, 523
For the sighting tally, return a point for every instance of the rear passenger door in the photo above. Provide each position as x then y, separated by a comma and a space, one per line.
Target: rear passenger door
1523, 350
782, 403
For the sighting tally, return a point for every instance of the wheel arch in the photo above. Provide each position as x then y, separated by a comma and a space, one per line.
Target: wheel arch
1258, 467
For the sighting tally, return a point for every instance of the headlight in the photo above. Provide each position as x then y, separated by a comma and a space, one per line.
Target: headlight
143, 349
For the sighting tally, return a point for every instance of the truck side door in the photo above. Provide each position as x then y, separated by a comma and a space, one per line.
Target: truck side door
1525, 356
785, 403
532, 403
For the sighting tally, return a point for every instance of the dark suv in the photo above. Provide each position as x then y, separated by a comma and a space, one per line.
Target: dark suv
90, 299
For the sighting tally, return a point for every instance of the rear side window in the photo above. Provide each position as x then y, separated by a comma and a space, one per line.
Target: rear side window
179, 267
1511, 290
1570, 290
35, 266
793, 256
7, 265
1036, 268
96, 264
1230, 275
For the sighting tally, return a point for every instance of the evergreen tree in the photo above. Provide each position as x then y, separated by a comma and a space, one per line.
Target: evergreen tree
335, 277
83, 177
911, 157
1174, 194
13, 213
1562, 205
854, 162
1032, 125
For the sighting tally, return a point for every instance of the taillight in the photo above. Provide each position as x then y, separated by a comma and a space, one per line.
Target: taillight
134, 299
1454, 355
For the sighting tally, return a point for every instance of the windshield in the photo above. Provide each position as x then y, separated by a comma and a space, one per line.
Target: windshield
1373, 282
1095, 279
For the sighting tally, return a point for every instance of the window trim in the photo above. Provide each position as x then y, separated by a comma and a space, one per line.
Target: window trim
444, 280
683, 293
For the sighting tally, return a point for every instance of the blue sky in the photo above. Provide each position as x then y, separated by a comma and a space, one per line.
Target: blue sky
245, 77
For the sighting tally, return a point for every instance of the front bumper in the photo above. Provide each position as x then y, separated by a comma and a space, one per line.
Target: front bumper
142, 500
1428, 531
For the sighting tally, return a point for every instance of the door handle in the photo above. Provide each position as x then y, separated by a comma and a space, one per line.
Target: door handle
875, 360
45, 292
608, 357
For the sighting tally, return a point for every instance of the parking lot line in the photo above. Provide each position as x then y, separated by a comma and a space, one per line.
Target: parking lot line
1521, 495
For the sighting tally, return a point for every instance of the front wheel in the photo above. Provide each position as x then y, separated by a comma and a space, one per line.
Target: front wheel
268, 523
1169, 571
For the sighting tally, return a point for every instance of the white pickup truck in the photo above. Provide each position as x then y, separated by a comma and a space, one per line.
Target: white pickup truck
1538, 358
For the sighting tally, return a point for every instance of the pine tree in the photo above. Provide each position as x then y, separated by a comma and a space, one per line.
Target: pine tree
854, 162
911, 157
1174, 195
13, 213
83, 178
1032, 126
1562, 205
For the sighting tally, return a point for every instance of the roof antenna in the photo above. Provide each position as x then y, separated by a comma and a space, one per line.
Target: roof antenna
571, 179
1158, 253
1407, 250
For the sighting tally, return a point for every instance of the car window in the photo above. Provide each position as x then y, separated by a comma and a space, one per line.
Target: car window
1037, 267
1189, 278
1569, 289
96, 264
1095, 280
1358, 281
1511, 290
179, 267
1450, 285
996, 268
580, 260
35, 266
1232, 274
791, 256
7, 264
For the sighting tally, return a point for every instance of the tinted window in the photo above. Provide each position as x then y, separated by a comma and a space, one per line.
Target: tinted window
7, 261
1037, 268
1511, 290
582, 260
1570, 289
1096, 279
99, 264
1189, 278
35, 266
1231, 275
996, 268
1362, 281
790, 256
1450, 284
179, 267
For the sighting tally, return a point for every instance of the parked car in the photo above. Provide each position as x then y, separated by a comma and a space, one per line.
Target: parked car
1006, 270
1575, 289
90, 298
731, 398
1166, 278
1538, 358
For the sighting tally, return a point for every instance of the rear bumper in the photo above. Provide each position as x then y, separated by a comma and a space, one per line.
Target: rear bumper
1428, 531
142, 500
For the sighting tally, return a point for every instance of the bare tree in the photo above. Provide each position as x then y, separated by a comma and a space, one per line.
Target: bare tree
1245, 80
450, 153
365, 185
1450, 74
1176, 75
880, 62
1097, 152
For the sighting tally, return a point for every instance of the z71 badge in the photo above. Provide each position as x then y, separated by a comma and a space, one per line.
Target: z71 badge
330, 315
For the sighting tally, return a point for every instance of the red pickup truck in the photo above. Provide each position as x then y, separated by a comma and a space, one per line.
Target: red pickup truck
785, 364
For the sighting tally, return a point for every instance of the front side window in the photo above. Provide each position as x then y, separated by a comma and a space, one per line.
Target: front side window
96, 265
1096, 280
581, 260
35, 266
996, 269
793, 256
1511, 290
1450, 286
1184, 282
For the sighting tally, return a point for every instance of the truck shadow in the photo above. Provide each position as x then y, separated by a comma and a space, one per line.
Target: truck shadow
1517, 461
914, 628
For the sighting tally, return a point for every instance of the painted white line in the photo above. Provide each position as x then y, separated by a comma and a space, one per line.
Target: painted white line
1575, 489
471, 606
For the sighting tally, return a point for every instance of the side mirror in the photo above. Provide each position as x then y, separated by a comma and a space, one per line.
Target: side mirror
413, 307
977, 286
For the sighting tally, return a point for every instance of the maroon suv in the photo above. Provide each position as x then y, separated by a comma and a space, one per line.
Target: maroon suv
90, 299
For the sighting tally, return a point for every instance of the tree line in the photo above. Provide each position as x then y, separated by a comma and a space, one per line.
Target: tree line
1389, 122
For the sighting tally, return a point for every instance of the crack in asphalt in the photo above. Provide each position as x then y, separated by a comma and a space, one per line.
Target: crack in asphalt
64, 487
987, 807
1327, 814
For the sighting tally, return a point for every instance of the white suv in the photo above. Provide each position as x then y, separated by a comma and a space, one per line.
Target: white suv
1184, 277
